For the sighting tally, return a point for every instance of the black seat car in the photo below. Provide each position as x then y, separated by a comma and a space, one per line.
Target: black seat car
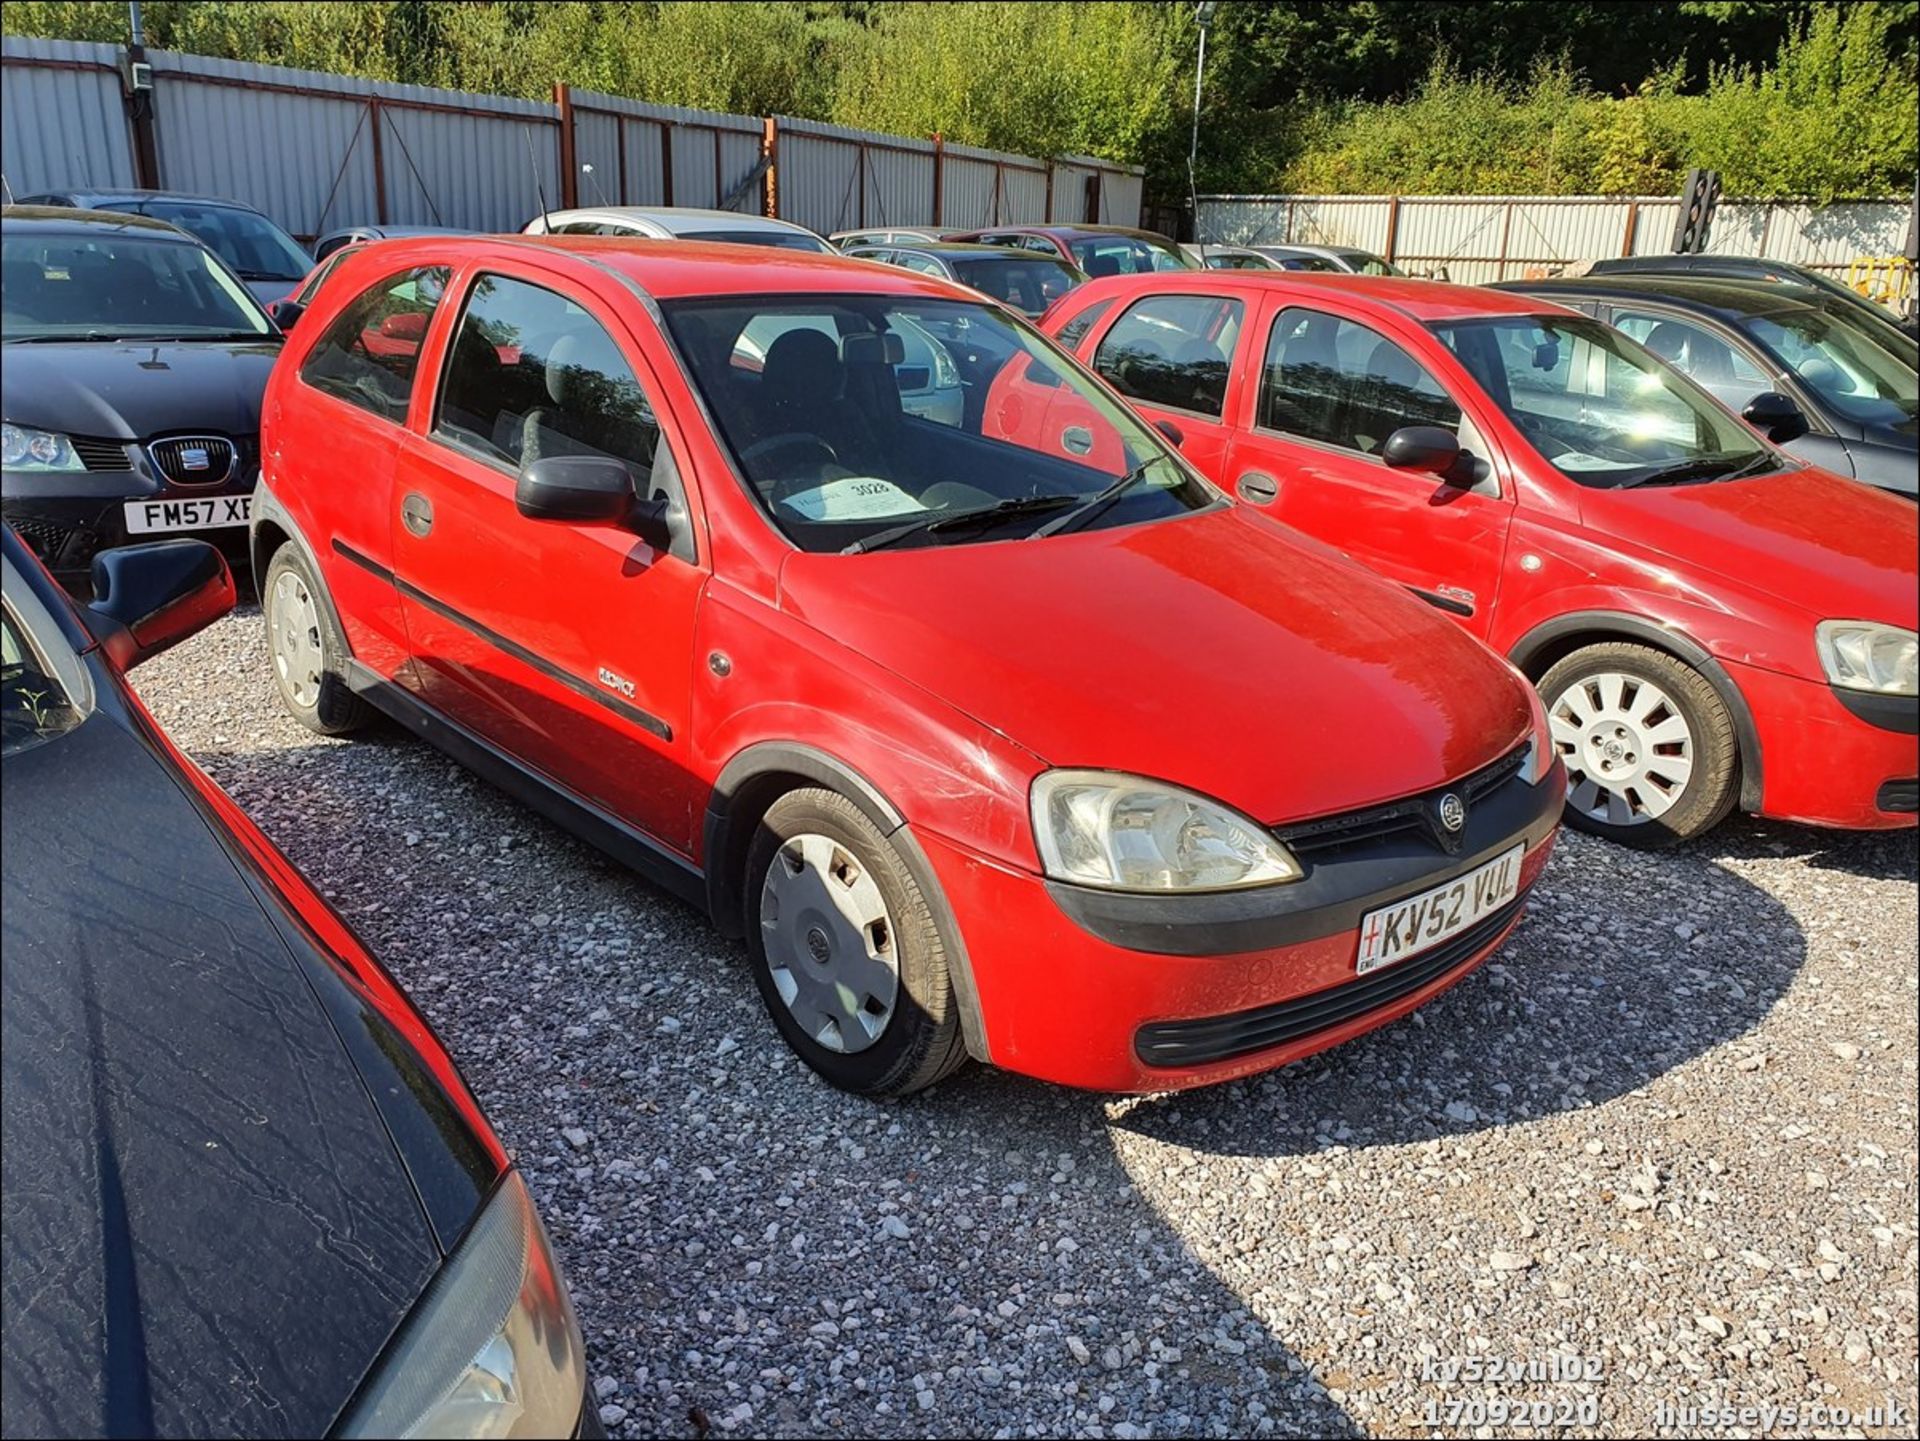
135, 363
247, 1192
263, 255
1852, 378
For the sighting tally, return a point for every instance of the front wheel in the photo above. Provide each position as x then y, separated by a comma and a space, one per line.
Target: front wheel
1649, 745
309, 655
846, 952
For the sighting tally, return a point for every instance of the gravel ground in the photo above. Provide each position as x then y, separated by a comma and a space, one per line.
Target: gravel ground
1669, 1133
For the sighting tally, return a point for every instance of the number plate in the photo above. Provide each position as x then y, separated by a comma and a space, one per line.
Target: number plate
1419, 923
201, 512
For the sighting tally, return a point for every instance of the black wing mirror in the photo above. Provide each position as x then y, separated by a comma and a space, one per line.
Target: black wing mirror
1172, 432
152, 596
1775, 416
1426, 447
590, 490
286, 313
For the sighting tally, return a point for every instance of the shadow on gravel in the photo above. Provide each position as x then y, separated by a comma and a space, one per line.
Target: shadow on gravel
1625, 966
1033, 1290
1872, 855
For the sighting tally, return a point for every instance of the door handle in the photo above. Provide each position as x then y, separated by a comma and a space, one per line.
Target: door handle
1256, 487
416, 513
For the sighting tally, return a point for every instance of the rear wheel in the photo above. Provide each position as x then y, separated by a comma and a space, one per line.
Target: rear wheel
846, 952
309, 655
1649, 745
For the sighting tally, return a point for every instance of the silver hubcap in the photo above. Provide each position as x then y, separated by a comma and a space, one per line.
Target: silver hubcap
829, 943
1628, 750
293, 634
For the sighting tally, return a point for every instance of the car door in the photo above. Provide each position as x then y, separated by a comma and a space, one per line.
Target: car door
1328, 392
567, 645
335, 442
1172, 356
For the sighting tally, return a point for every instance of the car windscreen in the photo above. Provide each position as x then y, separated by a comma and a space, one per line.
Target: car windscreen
34, 706
1101, 255
816, 399
1028, 283
253, 245
1599, 408
1366, 263
775, 239
108, 286
1862, 370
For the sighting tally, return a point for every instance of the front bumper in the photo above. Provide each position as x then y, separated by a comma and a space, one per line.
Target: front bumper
67, 518
1062, 1000
1829, 759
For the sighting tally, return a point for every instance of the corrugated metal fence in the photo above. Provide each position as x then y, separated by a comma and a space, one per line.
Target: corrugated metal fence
1479, 238
319, 152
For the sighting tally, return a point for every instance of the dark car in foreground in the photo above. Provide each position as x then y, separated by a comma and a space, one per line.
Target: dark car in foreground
262, 254
135, 362
247, 1191
1026, 281
1853, 379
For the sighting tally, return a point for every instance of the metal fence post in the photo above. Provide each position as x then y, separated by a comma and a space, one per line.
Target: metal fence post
146, 145
770, 149
939, 167
379, 162
569, 170
1393, 227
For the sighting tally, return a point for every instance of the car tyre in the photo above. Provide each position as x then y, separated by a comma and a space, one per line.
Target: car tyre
307, 650
847, 953
1652, 759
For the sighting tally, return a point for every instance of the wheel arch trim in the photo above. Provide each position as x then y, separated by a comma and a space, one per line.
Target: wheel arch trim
1595, 627
728, 826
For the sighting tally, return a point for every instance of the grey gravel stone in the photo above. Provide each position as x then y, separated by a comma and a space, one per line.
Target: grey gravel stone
1670, 1115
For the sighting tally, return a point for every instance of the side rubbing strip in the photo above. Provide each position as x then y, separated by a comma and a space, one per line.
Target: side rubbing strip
646, 720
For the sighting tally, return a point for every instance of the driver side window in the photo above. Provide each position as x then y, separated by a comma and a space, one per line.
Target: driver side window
1332, 380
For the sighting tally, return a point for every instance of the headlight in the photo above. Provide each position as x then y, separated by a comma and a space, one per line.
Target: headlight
946, 376
1862, 655
24, 449
1125, 833
1541, 750
492, 1349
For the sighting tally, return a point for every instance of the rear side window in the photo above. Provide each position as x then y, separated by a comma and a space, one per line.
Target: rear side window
1172, 351
1075, 330
369, 354
533, 375
1331, 380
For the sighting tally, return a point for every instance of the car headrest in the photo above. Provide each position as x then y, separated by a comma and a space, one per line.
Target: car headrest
886, 348
577, 358
802, 368
1667, 340
1099, 265
1390, 365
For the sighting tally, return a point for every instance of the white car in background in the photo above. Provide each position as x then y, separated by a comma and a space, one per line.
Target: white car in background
667, 222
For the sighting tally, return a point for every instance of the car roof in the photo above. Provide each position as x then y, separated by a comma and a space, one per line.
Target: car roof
1421, 300
70, 220
396, 232
673, 218
1723, 295
1069, 232
94, 198
965, 250
678, 269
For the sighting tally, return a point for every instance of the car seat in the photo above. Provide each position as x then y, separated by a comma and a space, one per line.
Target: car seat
803, 391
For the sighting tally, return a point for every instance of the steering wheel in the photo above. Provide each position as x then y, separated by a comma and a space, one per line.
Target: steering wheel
806, 450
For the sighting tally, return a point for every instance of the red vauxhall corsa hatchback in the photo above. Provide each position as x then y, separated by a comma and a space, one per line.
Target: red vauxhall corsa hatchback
1710, 622
998, 734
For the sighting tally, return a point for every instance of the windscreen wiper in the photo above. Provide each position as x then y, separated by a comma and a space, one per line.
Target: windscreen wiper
1091, 507
1712, 467
953, 520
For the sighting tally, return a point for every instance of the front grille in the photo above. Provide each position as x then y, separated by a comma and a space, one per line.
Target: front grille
1900, 798
102, 454
1409, 814
195, 459
61, 547
1220, 1038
